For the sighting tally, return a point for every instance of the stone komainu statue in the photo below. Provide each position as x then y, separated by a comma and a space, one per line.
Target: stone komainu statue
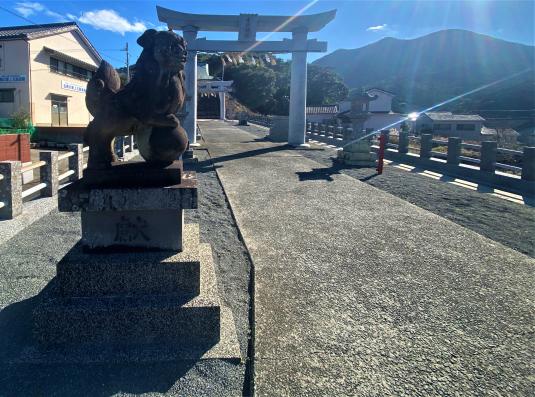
146, 106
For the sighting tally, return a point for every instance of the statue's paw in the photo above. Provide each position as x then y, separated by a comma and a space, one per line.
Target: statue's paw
173, 121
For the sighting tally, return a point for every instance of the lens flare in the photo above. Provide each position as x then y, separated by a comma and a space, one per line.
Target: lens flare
453, 99
278, 28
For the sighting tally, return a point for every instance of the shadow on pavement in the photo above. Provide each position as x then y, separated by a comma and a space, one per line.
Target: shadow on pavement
24, 370
336, 168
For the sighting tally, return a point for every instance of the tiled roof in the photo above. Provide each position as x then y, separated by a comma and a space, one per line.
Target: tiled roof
449, 116
35, 31
29, 32
379, 89
332, 109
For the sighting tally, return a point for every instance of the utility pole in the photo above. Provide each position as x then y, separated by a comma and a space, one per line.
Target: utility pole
127, 64
222, 68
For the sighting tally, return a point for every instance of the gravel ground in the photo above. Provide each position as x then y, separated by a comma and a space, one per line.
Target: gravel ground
27, 264
500, 220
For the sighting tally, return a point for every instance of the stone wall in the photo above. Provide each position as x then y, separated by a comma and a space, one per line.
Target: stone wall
15, 147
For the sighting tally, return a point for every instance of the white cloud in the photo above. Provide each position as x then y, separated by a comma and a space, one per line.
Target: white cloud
110, 20
377, 28
71, 17
27, 8
55, 15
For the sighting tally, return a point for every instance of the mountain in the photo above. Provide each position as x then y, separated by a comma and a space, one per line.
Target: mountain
433, 68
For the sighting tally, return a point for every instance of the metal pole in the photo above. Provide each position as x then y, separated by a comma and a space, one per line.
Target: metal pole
127, 64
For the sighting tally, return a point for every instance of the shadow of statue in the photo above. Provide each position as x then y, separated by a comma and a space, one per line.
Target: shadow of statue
29, 370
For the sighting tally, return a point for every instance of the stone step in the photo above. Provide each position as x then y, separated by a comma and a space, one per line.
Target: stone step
178, 320
81, 274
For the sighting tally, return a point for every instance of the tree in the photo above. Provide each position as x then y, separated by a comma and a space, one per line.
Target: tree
324, 87
254, 86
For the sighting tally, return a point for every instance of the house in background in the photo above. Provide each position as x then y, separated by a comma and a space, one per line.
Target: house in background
44, 70
381, 114
383, 103
465, 126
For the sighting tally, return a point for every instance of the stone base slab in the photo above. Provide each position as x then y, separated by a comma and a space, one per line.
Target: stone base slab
135, 174
82, 274
78, 196
179, 321
128, 321
152, 229
227, 349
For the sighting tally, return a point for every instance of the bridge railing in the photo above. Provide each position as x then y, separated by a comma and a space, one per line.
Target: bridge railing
486, 162
14, 190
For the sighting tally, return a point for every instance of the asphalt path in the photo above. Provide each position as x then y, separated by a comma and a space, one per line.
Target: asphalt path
359, 292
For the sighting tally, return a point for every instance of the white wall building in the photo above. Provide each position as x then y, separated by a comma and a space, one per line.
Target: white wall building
383, 103
44, 70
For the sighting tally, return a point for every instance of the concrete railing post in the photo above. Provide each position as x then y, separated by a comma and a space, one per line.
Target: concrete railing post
76, 162
130, 142
10, 189
488, 156
403, 144
330, 131
49, 173
528, 164
339, 132
426, 146
119, 146
454, 150
348, 133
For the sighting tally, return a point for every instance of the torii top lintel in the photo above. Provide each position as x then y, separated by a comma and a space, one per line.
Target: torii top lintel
234, 23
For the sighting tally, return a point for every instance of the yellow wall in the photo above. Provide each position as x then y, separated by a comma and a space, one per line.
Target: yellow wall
15, 62
45, 82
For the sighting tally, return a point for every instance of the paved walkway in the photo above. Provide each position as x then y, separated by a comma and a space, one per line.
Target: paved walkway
358, 292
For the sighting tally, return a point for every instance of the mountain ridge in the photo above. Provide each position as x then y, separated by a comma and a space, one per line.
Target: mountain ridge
429, 69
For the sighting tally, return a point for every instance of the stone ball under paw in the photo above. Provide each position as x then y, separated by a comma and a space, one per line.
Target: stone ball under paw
162, 144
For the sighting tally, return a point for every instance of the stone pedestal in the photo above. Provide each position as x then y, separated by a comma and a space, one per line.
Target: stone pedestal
139, 283
278, 131
358, 154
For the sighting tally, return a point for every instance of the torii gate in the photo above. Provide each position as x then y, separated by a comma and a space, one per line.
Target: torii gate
247, 25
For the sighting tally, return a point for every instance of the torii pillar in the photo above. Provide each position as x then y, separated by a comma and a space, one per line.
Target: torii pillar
190, 69
298, 91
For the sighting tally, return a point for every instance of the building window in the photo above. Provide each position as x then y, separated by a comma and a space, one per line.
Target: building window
7, 95
68, 69
442, 127
466, 127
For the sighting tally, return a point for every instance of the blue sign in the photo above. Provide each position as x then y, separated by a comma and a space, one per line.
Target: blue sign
10, 78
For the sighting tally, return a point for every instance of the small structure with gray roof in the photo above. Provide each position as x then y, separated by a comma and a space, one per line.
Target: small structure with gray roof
465, 126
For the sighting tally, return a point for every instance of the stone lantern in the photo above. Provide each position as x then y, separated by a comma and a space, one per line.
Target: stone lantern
357, 153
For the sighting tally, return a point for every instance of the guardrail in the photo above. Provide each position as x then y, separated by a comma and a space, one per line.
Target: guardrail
482, 167
265, 121
12, 192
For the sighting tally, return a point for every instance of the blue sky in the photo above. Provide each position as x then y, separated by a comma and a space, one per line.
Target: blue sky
110, 24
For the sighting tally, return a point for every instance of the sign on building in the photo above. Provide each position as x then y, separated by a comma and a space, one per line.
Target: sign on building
72, 86
10, 78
